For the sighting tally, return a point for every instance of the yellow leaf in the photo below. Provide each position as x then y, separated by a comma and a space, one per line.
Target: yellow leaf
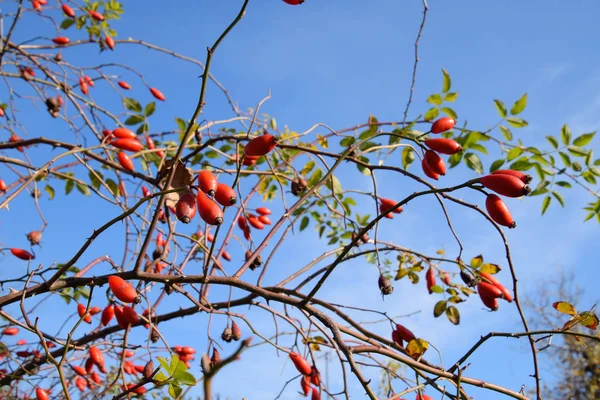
564, 307
476, 262
416, 348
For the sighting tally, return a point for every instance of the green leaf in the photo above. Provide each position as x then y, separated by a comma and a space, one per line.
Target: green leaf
546, 204
304, 223
149, 109
114, 188
316, 177
584, 139
451, 97
408, 156
514, 153
432, 114
435, 99
181, 124
516, 122
83, 189
506, 133
577, 151
69, 186
185, 378
132, 104
174, 390
564, 184
519, 105
565, 134
501, 108
449, 112
522, 164
67, 23
165, 364
96, 179
565, 158
143, 128
437, 289
134, 120
347, 141
496, 165
558, 198
453, 315
337, 186
447, 81
595, 171
553, 141
439, 308
473, 162
50, 190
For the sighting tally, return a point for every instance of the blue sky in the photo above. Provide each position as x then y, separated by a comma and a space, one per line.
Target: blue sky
336, 62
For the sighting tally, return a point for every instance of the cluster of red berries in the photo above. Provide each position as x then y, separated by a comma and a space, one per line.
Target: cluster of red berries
310, 375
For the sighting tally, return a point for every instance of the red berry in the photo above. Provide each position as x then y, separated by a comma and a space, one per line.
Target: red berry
125, 161
110, 42
248, 160
255, 222
490, 302
89, 81
41, 394
123, 290
83, 86
225, 195
11, 331
384, 210
300, 363
241, 221
442, 125
79, 370
2, 186
124, 85
506, 185
185, 209
404, 333
107, 315
157, 94
127, 144
96, 378
130, 315
430, 279
124, 133
443, 145
209, 211
207, 182
61, 40
506, 295
95, 310
22, 254
521, 175
396, 338
96, 15
294, 3
488, 290
68, 11
14, 138
305, 384
96, 356
81, 311
498, 211
435, 162
316, 395
263, 211
264, 219
386, 204
261, 145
